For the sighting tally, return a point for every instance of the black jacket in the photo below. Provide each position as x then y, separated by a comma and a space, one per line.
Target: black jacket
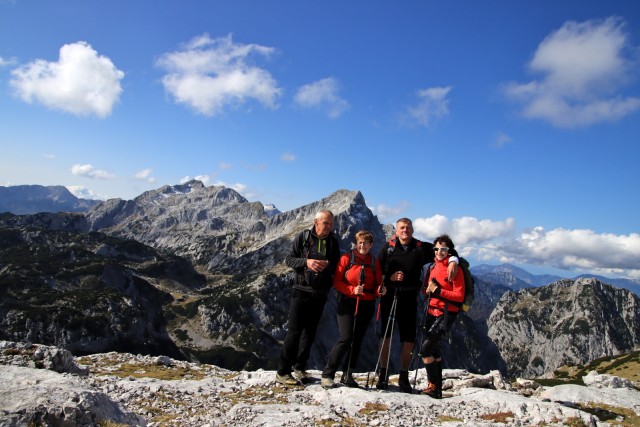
307, 245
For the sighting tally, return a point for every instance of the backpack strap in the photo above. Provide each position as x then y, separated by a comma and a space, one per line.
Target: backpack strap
352, 261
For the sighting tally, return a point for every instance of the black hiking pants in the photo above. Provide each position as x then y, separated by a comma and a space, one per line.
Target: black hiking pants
347, 334
305, 312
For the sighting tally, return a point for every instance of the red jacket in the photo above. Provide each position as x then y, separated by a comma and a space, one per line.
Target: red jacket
371, 282
448, 291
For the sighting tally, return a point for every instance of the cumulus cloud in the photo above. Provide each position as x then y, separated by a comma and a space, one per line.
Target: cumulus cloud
84, 193
88, 171
210, 74
202, 178
322, 94
288, 157
389, 213
240, 188
464, 231
145, 175
81, 82
432, 106
579, 250
582, 68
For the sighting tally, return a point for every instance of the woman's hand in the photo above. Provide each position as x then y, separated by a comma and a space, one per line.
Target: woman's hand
382, 290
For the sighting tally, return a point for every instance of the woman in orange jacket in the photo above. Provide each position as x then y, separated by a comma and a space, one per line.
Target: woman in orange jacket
358, 280
445, 299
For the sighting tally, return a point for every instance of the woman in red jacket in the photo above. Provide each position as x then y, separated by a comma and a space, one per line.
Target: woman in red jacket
358, 280
445, 299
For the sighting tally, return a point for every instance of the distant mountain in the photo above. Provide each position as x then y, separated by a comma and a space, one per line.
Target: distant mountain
31, 199
568, 322
517, 278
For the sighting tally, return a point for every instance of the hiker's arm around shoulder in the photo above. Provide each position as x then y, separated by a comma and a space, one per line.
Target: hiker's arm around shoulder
457, 293
452, 269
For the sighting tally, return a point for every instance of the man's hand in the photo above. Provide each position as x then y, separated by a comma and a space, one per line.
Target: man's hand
317, 265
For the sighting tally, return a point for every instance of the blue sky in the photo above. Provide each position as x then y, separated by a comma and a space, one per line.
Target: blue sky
513, 126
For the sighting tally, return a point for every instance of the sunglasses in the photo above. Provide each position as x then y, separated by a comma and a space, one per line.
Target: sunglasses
445, 249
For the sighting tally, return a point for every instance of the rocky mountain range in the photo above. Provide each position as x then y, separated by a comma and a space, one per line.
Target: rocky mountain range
30, 199
197, 273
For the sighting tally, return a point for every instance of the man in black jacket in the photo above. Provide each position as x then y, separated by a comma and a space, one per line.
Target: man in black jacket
314, 256
402, 259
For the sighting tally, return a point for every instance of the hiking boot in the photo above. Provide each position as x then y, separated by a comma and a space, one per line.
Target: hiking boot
403, 382
349, 381
286, 379
302, 376
327, 382
383, 381
432, 391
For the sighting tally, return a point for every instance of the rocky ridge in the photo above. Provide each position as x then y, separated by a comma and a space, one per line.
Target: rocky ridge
159, 391
569, 322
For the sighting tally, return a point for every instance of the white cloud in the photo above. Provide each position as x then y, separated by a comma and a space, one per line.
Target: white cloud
385, 213
583, 251
4, 62
202, 178
84, 193
145, 175
240, 188
501, 140
322, 94
288, 157
432, 106
582, 67
464, 231
225, 166
88, 171
211, 74
81, 82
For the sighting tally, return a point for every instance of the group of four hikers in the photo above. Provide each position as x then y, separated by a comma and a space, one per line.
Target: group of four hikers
396, 276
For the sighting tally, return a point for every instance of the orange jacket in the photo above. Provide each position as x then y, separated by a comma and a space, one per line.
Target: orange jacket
448, 291
371, 282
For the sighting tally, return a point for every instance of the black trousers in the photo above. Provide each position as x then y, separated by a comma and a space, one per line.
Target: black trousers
305, 312
348, 333
436, 327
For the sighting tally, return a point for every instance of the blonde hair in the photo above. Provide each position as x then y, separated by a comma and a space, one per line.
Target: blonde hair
364, 234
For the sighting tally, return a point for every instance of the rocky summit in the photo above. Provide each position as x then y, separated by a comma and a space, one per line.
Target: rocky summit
48, 386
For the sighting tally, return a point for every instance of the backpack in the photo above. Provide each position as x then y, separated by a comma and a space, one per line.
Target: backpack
352, 261
469, 284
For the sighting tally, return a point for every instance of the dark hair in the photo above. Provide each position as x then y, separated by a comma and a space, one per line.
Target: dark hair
445, 240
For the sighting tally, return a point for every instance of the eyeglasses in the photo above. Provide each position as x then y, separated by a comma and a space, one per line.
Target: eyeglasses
363, 243
444, 249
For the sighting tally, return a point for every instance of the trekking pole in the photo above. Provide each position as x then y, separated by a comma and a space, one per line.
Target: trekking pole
394, 307
391, 321
355, 320
375, 334
422, 328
